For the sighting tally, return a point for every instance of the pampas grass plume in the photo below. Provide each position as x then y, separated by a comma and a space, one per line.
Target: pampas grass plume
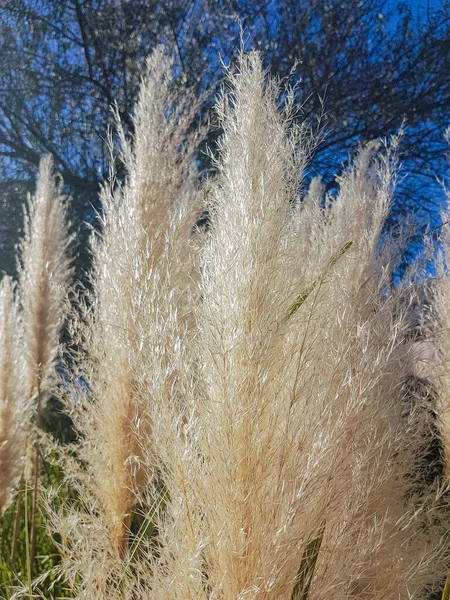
45, 273
137, 276
44, 276
12, 404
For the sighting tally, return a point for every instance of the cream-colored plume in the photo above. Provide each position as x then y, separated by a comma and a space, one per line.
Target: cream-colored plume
44, 277
254, 411
295, 438
12, 401
140, 283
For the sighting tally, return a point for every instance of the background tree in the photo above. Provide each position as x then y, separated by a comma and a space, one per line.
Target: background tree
362, 67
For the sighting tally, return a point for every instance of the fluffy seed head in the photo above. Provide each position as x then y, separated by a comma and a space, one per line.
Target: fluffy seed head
45, 273
12, 413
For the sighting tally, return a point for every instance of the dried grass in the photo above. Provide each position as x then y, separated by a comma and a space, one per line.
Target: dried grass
241, 391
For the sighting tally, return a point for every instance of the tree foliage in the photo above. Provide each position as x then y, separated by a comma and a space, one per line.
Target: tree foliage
362, 67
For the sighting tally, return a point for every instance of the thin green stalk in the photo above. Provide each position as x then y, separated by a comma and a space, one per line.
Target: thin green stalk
35, 482
16, 526
304, 295
27, 543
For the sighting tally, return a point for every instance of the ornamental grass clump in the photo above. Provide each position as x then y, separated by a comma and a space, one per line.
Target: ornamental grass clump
240, 390
291, 470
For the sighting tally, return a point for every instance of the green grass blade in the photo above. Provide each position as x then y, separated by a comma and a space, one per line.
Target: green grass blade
446, 590
303, 296
307, 567
333, 260
27, 543
300, 300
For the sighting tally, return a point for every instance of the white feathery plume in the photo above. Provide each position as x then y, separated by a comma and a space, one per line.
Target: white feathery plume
44, 276
12, 405
294, 438
140, 280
